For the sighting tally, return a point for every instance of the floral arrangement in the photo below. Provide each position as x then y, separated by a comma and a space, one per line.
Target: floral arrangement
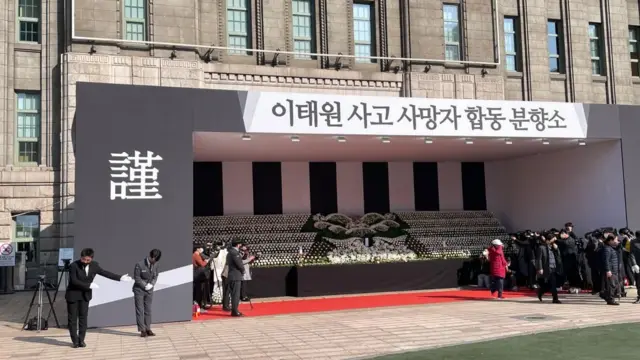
339, 226
357, 253
448, 254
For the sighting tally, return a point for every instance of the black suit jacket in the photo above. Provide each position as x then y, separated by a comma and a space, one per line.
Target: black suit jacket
543, 252
79, 282
236, 267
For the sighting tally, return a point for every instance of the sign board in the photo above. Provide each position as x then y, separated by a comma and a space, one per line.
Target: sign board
64, 254
287, 113
7, 254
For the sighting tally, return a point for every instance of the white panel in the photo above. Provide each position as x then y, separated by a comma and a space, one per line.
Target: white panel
237, 188
296, 197
450, 186
401, 194
582, 185
350, 188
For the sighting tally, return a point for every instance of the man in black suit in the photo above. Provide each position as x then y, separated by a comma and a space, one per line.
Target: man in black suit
145, 276
80, 291
235, 275
548, 266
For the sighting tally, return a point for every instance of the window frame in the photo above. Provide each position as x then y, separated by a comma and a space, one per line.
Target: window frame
38, 139
21, 19
247, 34
516, 42
143, 21
559, 38
372, 31
599, 43
459, 43
635, 63
312, 30
30, 239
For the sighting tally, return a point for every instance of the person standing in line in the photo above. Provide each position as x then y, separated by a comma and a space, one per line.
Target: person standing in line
498, 265
235, 274
548, 265
79, 293
145, 275
611, 269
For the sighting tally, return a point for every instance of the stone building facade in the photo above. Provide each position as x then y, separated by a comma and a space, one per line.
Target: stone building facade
576, 51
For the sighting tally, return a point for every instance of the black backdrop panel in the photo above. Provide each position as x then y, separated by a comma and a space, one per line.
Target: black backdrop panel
323, 187
207, 185
474, 195
267, 188
425, 186
375, 177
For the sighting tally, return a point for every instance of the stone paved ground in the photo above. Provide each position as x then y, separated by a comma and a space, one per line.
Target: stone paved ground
331, 335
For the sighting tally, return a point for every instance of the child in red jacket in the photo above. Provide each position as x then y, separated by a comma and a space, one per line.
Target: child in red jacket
498, 267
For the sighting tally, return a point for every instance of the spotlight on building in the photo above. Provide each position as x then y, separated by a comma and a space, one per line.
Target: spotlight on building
428, 140
508, 141
468, 141
341, 139
246, 137
582, 142
295, 138
545, 142
385, 140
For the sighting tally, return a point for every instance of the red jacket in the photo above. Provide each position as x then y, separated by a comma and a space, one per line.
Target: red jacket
498, 261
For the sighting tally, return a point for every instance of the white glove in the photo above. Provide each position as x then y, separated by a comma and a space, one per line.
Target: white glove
94, 286
636, 269
126, 278
148, 287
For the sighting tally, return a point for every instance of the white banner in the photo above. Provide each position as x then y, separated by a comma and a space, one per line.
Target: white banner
297, 113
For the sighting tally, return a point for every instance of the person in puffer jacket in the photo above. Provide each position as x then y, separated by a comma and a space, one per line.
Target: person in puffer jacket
498, 267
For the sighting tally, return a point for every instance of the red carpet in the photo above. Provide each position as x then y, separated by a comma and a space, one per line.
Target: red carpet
355, 302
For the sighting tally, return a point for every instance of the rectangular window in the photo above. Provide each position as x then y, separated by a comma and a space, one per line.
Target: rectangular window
238, 29
633, 49
511, 44
135, 20
27, 233
363, 33
554, 42
29, 21
303, 28
452, 32
595, 48
28, 128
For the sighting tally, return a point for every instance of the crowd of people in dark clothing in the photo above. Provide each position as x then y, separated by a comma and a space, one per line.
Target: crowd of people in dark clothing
603, 261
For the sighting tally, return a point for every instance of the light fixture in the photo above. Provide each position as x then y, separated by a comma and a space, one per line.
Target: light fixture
582, 142
246, 137
295, 138
508, 141
341, 139
468, 141
385, 140
428, 141
545, 142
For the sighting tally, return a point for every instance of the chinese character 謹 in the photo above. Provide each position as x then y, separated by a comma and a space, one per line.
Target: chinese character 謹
134, 177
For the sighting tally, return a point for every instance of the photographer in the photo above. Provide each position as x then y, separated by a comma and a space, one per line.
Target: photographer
217, 265
611, 268
247, 260
201, 274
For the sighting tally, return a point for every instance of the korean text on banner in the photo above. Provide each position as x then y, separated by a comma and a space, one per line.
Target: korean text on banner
284, 113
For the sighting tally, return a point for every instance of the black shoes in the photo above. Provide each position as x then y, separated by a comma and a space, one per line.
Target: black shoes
238, 314
82, 344
245, 299
226, 309
556, 301
150, 333
143, 334
74, 345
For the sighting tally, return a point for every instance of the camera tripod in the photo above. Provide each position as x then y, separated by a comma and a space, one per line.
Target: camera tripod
39, 291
